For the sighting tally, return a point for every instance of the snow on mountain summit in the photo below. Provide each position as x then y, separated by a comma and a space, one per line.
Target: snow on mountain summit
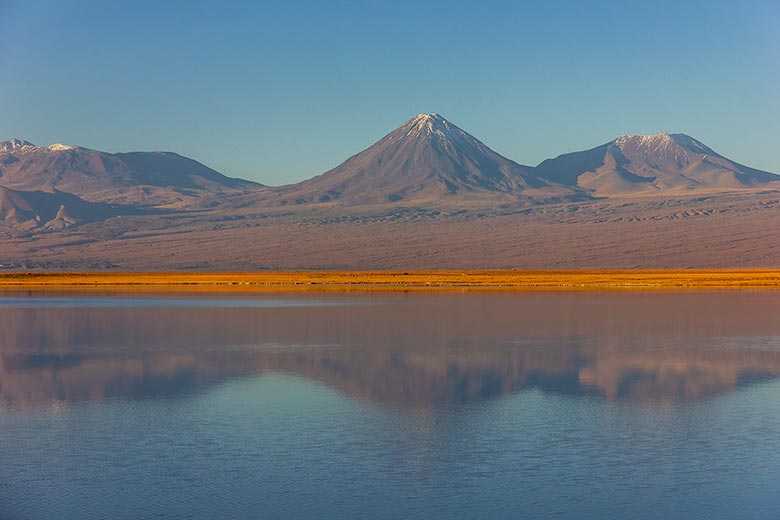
680, 148
662, 143
647, 140
14, 144
20, 145
427, 158
651, 164
434, 126
133, 178
59, 147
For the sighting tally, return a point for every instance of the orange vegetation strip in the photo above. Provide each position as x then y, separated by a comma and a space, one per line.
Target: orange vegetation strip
397, 280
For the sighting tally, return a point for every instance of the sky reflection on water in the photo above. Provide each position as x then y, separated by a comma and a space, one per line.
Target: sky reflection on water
394, 406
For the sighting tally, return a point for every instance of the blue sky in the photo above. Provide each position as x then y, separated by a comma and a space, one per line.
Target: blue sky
281, 91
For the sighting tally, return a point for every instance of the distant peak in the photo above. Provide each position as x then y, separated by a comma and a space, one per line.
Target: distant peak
431, 124
661, 141
426, 117
422, 121
435, 128
19, 142
645, 138
15, 144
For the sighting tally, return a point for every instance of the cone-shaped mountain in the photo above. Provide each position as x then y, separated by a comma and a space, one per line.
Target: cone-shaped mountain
427, 158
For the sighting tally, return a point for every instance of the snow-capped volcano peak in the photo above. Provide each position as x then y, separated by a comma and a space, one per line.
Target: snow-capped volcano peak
15, 144
20, 145
664, 144
651, 164
427, 117
426, 123
426, 159
435, 128
645, 141
654, 149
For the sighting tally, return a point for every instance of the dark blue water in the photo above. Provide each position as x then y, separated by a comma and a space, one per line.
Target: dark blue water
461, 406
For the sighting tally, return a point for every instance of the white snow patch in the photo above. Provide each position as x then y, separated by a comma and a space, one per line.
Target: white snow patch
14, 144
654, 147
438, 128
58, 147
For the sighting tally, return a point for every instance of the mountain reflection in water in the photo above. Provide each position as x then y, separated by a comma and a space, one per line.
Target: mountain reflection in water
397, 350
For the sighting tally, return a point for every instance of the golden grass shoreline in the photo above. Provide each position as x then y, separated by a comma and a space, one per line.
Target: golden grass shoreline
369, 281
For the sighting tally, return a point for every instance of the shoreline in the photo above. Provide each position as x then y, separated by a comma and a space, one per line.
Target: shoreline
391, 281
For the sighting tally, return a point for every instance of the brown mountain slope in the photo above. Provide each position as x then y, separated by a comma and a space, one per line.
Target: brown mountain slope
665, 164
426, 159
49, 211
137, 178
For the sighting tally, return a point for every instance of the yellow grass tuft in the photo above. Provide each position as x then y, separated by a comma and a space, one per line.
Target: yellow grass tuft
397, 280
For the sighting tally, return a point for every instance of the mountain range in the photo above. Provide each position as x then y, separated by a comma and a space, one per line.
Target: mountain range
162, 179
427, 171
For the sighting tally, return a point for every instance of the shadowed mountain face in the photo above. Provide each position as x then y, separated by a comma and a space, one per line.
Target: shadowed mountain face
137, 178
426, 159
652, 164
51, 211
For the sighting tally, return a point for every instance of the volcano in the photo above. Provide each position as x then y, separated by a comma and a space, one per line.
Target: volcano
653, 164
427, 159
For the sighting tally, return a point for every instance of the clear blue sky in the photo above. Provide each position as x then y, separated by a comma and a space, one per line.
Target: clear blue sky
281, 91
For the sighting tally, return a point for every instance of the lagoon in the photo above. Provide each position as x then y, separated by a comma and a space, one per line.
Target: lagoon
447, 405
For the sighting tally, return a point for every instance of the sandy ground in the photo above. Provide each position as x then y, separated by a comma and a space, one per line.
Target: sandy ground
725, 231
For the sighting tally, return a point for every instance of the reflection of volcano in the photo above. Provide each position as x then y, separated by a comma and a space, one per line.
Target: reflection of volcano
421, 352
398, 378
459, 377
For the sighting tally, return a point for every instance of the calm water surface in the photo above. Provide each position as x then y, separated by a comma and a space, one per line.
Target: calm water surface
550, 405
